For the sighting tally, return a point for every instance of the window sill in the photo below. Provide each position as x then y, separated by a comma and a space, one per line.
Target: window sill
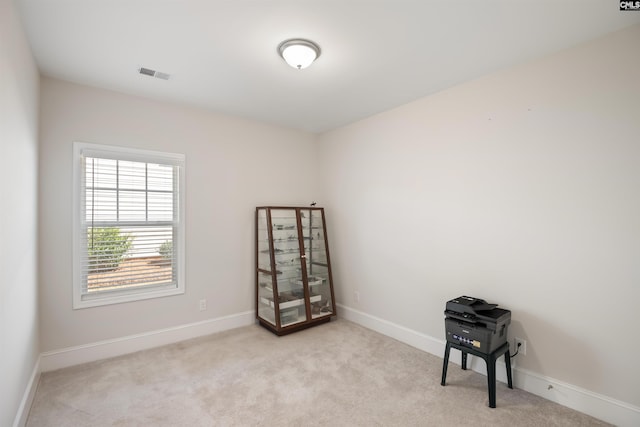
88, 300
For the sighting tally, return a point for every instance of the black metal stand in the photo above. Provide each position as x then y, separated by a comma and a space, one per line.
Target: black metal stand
490, 360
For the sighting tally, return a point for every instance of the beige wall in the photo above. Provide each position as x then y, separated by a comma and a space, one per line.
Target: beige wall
521, 188
232, 165
19, 81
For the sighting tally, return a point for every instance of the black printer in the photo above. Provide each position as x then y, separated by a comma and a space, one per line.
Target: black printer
474, 323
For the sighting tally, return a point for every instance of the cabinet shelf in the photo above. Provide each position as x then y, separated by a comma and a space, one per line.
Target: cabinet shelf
312, 281
283, 227
279, 251
300, 293
291, 303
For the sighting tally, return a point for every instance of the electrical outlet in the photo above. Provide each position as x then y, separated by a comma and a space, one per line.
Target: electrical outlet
356, 296
523, 346
203, 304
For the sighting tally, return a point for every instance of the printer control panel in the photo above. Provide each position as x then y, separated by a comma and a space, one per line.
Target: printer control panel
467, 341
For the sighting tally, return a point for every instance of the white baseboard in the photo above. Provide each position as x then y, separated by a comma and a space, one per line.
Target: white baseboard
27, 399
62, 358
596, 405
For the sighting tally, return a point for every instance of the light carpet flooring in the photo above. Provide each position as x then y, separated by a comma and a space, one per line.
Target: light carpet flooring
336, 374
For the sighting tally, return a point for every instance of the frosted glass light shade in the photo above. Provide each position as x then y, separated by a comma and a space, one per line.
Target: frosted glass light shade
299, 53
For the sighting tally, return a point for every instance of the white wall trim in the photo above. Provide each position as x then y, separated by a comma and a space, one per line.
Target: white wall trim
596, 405
70, 356
27, 399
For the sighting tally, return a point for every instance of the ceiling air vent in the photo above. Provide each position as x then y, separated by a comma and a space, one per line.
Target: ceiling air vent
154, 73
163, 76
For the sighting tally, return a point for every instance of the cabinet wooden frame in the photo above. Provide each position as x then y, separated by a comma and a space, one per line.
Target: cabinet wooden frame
295, 293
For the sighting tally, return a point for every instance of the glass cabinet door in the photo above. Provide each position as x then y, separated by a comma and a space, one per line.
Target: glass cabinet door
317, 262
286, 250
266, 308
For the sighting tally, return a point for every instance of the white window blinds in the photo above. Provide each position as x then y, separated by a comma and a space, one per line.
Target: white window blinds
129, 228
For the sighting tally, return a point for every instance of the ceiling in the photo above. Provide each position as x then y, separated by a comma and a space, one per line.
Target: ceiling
376, 54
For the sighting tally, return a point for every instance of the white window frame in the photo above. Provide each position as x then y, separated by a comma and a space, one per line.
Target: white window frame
83, 299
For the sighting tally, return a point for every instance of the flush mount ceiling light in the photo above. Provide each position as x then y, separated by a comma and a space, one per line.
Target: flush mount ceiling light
299, 53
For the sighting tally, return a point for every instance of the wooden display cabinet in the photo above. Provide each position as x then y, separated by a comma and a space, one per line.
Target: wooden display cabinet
294, 288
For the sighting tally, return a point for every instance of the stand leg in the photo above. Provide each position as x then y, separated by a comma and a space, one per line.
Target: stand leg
507, 362
445, 364
491, 380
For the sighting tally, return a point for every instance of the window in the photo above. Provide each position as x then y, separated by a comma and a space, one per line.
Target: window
128, 224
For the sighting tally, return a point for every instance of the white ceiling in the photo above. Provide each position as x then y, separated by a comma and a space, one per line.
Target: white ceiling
376, 54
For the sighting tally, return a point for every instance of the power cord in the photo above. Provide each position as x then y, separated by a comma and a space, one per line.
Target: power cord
517, 350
